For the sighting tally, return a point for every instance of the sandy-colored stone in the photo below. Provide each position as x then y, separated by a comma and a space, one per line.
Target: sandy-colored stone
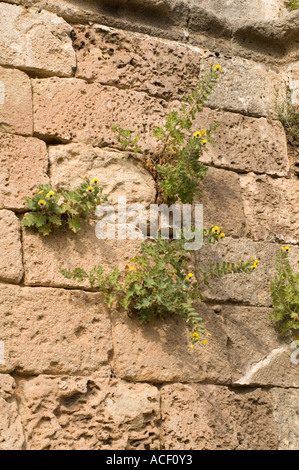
45, 257
120, 173
160, 351
89, 413
286, 417
15, 102
130, 60
271, 208
250, 289
11, 265
53, 331
35, 41
258, 355
24, 165
246, 87
222, 201
71, 109
11, 431
209, 417
245, 144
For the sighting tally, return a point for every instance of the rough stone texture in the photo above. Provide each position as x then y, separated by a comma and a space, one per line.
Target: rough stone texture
246, 87
123, 59
251, 289
89, 413
11, 266
245, 144
24, 165
208, 417
11, 431
160, 351
222, 201
15, 102
119, 173
286, 417
271, 208
45, 257
53, 331
70, 109
35, 41
257, 354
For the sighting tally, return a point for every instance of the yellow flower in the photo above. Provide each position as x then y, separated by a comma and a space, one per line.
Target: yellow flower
41, 202
204, 142
285, 248
40, 192
203, 132
131, 267
190, 275
90, 189
216, 229
204, 342
254, 266
222, 235
197, 134
95, 181
194, 335
217, 68
50, 195
192, 346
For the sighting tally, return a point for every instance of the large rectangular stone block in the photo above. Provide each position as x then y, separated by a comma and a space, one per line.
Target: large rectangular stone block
160, 352
53, 331
210, 417
34, 40
271, 208
24, 165
89, 413
11, 265
15, 102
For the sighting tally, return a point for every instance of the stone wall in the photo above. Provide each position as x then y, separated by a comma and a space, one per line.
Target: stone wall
74, 375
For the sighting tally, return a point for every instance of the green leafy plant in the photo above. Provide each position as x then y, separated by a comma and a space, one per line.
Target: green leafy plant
50, 209
164, 279
293, 4
288, 115
285, 293
178, 167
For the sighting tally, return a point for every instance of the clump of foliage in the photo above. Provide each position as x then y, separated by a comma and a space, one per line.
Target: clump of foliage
293, 4
288, 115
178, 167
50, 209
285, 293
163, 280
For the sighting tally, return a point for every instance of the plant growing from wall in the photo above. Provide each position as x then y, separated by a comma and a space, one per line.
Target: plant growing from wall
51, 209
288, 115
178, 167
293, 4
163, 280
285, 293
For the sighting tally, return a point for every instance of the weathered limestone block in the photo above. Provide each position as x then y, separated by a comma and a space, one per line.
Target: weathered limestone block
131, 60
53, 331
120, 173
15, 102
246, 87
11, 431
160, 350
271, 208
71, 109
245, 144
251, 289
209, 417
258, 355
286, 417
222, 201
45, 257
24, 165
35, 41
89, 413
11, 265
